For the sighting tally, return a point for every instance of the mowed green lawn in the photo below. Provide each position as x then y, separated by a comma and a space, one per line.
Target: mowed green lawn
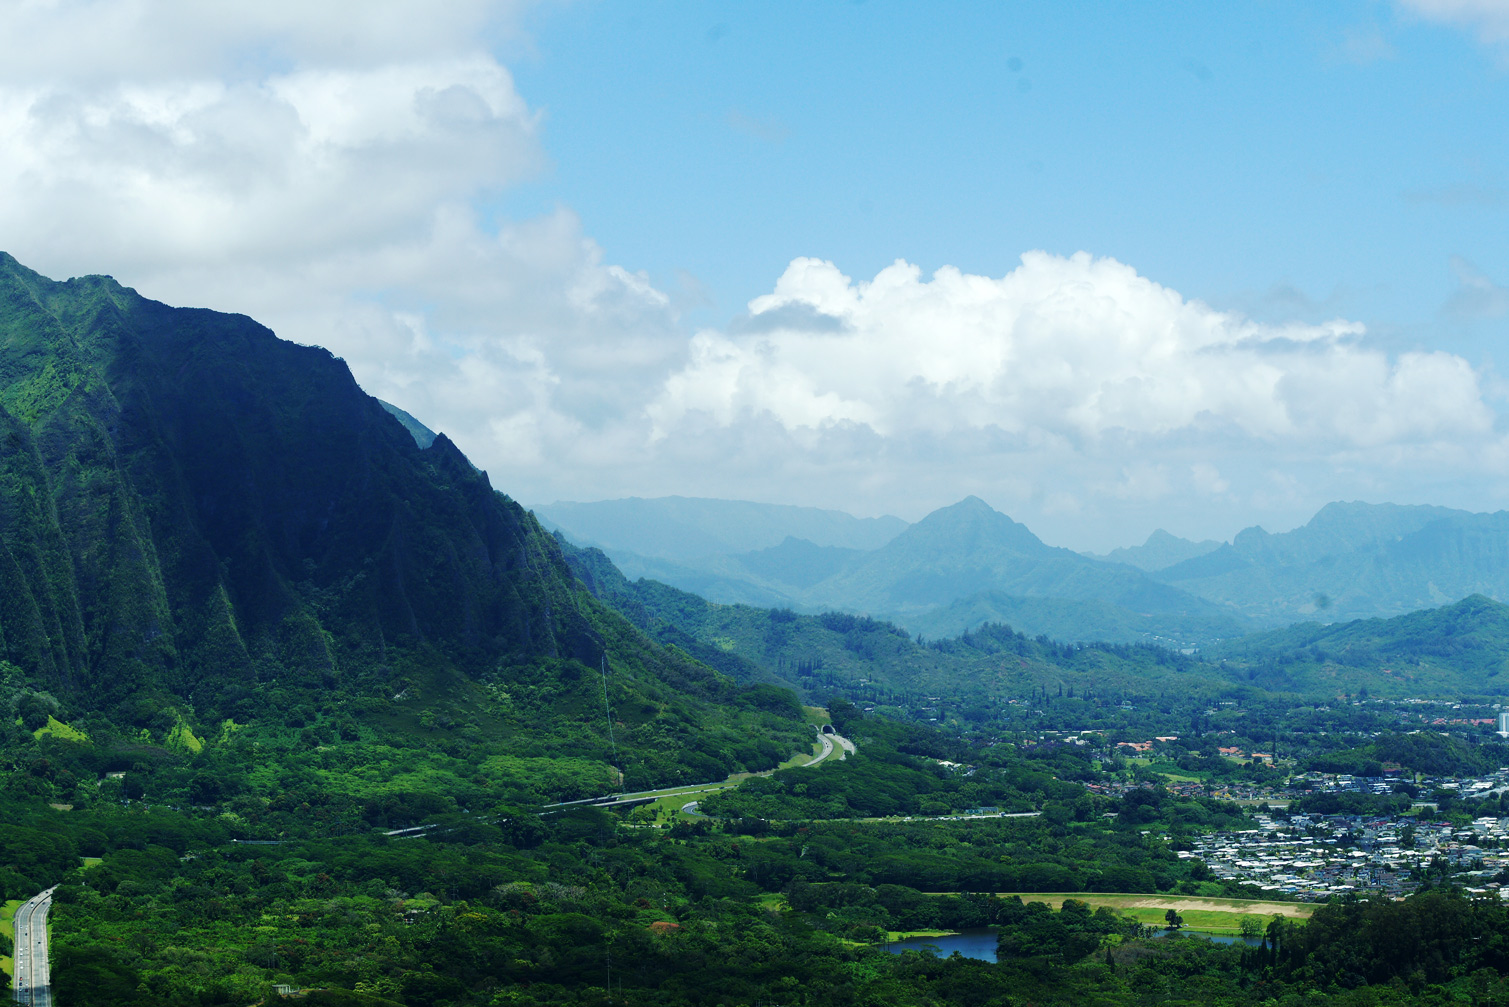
1220, 915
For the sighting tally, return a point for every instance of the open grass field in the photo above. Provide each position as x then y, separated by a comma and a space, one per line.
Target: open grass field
1170, 771
801, 759
8, 927
668, 808
1220, 915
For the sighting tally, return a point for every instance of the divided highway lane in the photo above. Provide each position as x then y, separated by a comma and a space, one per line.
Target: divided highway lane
33, 982
830, 743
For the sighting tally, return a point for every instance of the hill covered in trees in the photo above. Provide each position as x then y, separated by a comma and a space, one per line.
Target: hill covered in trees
1460, 649
1450, 651
202, 524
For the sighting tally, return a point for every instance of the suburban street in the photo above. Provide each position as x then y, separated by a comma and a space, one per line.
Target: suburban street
33, 985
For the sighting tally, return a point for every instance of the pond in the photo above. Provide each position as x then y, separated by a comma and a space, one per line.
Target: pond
1209, 935
973, 942
980, 942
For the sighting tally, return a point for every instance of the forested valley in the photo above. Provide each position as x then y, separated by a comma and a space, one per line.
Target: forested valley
298, 704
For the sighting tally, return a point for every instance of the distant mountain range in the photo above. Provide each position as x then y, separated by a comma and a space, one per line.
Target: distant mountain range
1161, 550
683, 529
1354, 561
967, 564
958, 567
1458, 650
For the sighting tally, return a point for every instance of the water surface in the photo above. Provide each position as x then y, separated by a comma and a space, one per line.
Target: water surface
974, 942
1210, 935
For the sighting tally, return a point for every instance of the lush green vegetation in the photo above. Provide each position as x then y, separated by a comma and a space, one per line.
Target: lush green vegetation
863, 657
1455, 650
501, 904
304, 696
579, 908
203, 526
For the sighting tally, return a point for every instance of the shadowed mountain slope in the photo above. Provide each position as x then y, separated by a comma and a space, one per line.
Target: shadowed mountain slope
216, 489
195, 511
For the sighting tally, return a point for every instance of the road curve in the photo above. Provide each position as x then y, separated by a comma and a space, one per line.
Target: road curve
830, 743
33, 982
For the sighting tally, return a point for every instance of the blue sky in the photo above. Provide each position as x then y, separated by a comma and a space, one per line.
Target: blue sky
1108, 266
1285, 159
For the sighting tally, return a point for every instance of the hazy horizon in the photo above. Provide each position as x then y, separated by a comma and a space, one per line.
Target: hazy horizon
1271, 529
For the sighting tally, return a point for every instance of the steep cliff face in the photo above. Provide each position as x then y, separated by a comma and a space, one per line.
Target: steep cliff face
190, 504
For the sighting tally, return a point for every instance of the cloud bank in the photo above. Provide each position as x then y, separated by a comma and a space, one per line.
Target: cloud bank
1065, 349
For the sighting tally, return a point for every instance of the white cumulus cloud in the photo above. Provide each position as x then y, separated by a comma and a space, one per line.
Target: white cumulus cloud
1072, 348
325, 169
307, 162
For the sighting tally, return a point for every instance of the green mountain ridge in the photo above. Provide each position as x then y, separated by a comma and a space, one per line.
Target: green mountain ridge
198, 516
1457, 649
837, 653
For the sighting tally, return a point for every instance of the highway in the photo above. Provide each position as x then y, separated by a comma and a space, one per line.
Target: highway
33, 984
829, 742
